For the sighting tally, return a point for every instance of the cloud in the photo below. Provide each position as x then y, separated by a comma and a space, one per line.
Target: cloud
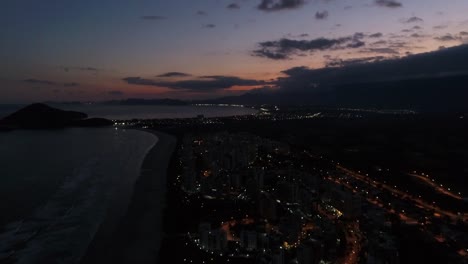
37, 81
440, 27
115, 92
383, 51
378, 43
201, 84
413, 19
463, 33
337, 62
140, 81
376, 35
388, 3
277, 5
153, 17
446, 62
209, 26
201, 13
285, 48
447, 37
71, 84
265, 53
233, 6
416, 35
80, 68
321, 15
174, 74
51, 83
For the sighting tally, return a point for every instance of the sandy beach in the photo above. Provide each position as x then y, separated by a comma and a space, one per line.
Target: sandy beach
137, 236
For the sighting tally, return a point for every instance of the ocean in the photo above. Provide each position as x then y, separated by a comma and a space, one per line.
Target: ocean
56, 186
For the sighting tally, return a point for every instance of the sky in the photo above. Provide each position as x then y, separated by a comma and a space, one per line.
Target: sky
88, 50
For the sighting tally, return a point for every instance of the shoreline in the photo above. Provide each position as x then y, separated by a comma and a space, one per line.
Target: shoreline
139, 233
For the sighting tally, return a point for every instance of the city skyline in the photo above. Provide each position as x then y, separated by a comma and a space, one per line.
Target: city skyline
92, 51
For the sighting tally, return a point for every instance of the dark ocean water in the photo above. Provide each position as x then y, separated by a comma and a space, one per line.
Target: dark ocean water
56, 187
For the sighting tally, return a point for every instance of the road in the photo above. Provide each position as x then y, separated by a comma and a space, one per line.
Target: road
401, 194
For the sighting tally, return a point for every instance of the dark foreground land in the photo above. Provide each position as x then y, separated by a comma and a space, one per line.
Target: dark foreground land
394, 150
137, 237
405, 171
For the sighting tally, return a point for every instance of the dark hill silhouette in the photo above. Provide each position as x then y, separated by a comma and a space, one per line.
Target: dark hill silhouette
42, 116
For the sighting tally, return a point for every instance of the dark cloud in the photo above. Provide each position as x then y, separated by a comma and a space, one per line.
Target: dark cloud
388, 3
413, 19
47, 82
463, 33
71, 84
115, 92
380, 42
398, 44
233, 6
209, 26
285, 48
174, 74
416, 35
376, 35
446, 62
140, 81
37, 81
321, 15
277, 5
85, 69
337, 62
447, 37
153, 17
265, 53
356, 44
201, 13
202, 84
383, 50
